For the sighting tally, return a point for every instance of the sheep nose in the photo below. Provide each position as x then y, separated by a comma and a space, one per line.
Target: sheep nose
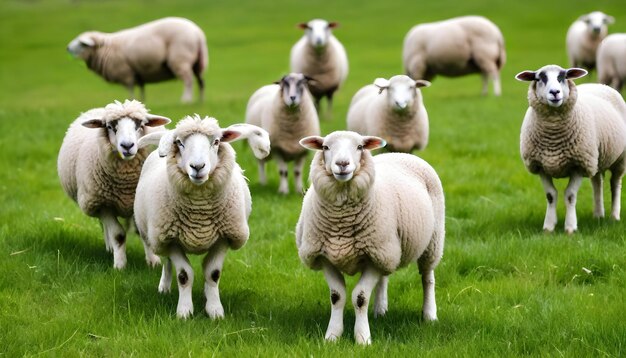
342, 164
554, 92
197, 167
127, 146
293, 98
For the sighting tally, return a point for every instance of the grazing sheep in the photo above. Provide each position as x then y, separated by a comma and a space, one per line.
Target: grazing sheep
286, 111
455, 47
583, 38
372, 215
573, 131
193, 198
319, 55
99, 165
399, 117
611, 64
153, 52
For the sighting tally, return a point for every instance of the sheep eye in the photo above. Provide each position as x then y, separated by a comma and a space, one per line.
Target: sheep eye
359, 147
111, 128
324, 147
216, 142
179, 143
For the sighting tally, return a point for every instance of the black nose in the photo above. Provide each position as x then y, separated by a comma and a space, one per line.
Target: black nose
554, 92
293, 98
127, 146
342, 164
197, 167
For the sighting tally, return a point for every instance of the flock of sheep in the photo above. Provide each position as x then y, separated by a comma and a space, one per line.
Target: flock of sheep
362, 213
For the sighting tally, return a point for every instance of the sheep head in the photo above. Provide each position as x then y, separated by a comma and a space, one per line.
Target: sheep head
550, 83
292, 87
342, 151
597, 22
124, 124
318, 32
84, 45
402, 91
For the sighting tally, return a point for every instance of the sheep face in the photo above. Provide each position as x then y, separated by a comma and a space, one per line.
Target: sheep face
318, 32
597, 22
258, 138
550, 83
292, 88
123, 133
342, 151
82, 47
401, 91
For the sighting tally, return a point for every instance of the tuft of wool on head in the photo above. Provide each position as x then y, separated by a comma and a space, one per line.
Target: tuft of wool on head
132, 109
195, 124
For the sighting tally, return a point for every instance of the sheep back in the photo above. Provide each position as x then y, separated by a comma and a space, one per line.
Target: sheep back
402, 217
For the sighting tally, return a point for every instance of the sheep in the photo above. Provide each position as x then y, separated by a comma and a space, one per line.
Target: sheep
284, 109
610, 61
99, 165
573, 131
372, 215
455, 47
318, 54
192, 197
399, 117
160, 50
583, 38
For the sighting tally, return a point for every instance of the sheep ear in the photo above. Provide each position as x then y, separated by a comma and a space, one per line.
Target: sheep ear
526, 76
382, 84
166, 143
87, 41
371, 142
313, 142
333, 25
422, 83
230, 135
150, 139
155, 121
609, 19
574, 73
93, 123
303, 25
280, 81
583, 17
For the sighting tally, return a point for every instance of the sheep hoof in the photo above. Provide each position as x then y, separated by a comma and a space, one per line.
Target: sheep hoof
153, 261
331, 337
380, 311
119, 264
184, 311
429, 317
570, 231
360, 339
163, 288
215, 311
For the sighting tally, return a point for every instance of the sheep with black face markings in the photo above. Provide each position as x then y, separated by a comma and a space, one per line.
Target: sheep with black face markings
398, 115
573, 131
372, 215
99, 165
584, 36
192, 197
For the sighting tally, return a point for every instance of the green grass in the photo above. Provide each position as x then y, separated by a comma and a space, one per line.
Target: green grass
504, 288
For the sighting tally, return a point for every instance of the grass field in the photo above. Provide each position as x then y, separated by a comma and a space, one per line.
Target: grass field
504, 288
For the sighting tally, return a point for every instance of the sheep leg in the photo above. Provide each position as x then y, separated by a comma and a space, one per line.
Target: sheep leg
297, 173
142, 92
337, 287
184, 275
571, 192
485, 78
151, 259
283, 188
598, 200
497, 88
114, 238
212, 266
380, 300
360, 300
616, 190
551, 196
185, 73
429, 310
262, 175
165, 284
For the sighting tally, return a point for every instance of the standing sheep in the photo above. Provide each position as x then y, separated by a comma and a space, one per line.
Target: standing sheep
99, 165
192, 197
319, 55
286, 111
455, 47
399, 117
153, 52
583, 38
372, 215
573, 131
611, 63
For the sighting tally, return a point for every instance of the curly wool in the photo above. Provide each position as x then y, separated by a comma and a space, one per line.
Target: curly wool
390, 214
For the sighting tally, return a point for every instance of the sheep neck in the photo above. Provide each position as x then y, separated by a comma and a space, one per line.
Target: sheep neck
104, 59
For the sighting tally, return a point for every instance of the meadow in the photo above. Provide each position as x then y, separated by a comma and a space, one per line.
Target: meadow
504, 288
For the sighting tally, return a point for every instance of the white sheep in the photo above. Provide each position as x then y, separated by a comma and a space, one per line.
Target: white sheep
573, 131
610, 61
192, 197
399, 116
99, 165
584, 36
286, 111
455, 47
160, 50
319, 55
372, 215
